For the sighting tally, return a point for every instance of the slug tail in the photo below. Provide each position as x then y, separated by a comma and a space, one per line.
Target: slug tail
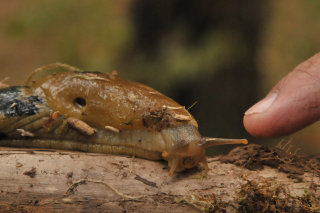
208, 142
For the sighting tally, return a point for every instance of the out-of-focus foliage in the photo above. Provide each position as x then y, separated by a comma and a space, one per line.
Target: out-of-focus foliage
179, 62
87, 34
291, 35
95, 34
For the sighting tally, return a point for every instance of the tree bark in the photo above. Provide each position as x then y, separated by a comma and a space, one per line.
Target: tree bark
34, 180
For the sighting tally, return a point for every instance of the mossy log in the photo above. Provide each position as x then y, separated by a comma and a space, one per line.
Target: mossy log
34, 180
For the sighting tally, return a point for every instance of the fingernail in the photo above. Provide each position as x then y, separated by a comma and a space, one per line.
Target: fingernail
262, 105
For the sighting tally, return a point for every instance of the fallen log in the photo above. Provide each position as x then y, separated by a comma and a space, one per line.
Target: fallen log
36, 180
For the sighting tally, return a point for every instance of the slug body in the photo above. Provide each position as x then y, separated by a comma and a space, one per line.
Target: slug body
62, 107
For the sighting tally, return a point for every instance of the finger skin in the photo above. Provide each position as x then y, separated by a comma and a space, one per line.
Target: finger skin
296, 105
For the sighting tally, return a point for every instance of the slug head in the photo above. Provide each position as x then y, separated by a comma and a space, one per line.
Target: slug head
189, 155
185, 157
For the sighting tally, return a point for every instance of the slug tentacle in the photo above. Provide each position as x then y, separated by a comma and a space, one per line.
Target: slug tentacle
208, 142
63, 107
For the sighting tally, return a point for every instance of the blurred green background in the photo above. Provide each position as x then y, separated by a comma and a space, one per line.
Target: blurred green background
224, 54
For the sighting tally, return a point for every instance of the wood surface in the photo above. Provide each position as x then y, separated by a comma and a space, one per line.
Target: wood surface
34, 180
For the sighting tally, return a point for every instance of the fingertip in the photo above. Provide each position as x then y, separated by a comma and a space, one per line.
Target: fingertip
256, 119
291, 105
255, 127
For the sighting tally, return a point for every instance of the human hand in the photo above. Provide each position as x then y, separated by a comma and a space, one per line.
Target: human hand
291, 105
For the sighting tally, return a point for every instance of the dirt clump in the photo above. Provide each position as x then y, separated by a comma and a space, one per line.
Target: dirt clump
31, 173
255, 157
162, 118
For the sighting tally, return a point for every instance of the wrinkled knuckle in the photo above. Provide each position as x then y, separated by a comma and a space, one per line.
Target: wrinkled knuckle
311, 72
317, 56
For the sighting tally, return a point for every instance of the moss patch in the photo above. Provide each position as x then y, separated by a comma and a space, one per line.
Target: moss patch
268, 196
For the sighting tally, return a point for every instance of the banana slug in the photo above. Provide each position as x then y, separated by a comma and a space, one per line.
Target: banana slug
62, 107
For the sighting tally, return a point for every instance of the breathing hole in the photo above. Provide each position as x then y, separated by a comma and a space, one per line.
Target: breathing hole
80, 102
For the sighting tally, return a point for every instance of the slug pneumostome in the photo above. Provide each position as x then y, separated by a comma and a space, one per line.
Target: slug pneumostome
62, 107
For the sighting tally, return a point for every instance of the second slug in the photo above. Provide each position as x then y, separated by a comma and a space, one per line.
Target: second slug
62, 107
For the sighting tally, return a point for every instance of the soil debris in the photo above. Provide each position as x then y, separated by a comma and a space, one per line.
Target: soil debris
48, 123
90, 76
157, 119
145, 181
112, 129
69, 174
161, 118
25, 133
31, 173
182, 117
13, 105
18, 164
255, 157
174, 108
81, 126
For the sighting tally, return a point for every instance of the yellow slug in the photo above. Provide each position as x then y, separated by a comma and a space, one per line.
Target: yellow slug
63, 107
